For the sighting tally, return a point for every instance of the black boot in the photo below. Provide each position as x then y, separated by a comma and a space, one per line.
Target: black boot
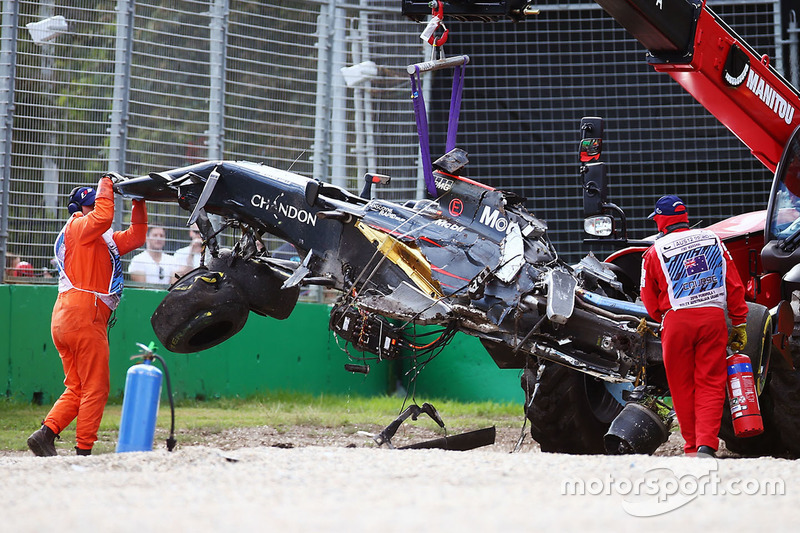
706, 451
42, 442
81, 451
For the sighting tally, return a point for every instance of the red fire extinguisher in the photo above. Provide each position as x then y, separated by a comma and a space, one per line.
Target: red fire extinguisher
742, 396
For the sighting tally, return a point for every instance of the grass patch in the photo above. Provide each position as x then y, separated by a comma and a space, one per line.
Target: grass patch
194, 419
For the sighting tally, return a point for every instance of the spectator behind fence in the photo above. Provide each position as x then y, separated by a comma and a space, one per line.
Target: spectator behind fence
24, 270
17, 268
188, 257
153, 265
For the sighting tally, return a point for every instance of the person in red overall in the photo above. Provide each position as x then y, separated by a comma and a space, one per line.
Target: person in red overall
688, 281
89, 288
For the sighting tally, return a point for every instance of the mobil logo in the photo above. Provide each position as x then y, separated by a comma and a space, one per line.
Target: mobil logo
492, 218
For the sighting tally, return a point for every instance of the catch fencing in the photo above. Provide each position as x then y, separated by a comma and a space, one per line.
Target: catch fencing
146, 85
135, 86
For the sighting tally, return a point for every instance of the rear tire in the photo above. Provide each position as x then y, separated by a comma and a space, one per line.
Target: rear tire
785, 389
759, 343
570, 411
768, 443
201, 310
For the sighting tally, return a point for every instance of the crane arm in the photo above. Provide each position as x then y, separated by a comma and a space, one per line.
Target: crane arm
691, 44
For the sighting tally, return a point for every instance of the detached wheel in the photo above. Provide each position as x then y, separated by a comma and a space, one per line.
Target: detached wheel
201, 310
570, 412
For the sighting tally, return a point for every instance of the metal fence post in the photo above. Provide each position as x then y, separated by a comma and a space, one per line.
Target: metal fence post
366, 161
118, 129
217, 48
50, 169
338, 102
369, 124
8, 53
358, 103
777, 24
322, 119
216, 100
427, 93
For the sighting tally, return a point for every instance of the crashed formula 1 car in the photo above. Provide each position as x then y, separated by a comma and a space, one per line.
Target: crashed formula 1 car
469, 258
472, 260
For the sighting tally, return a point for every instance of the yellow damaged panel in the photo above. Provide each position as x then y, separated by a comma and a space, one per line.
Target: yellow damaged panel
409, 259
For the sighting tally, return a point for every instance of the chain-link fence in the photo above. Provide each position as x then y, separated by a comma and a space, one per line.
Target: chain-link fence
135, 86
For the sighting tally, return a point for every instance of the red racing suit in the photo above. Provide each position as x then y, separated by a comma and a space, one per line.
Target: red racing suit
688, 280
90, 283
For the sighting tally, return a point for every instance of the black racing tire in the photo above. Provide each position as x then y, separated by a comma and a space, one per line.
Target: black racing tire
759, 343
767, 443
201, 310
569, 411
628, 269
785, 390
630, 288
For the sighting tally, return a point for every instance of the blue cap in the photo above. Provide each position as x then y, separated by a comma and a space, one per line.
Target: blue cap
79, 197
669, 205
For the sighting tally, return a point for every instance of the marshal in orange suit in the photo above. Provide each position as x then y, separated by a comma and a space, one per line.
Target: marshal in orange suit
89, 289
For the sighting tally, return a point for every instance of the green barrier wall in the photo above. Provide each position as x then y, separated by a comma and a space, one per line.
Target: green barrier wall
298, 354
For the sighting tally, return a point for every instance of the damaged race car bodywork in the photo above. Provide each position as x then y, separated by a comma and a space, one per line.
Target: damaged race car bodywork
472, 260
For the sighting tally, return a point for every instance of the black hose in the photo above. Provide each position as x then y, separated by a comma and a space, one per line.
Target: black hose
171, 441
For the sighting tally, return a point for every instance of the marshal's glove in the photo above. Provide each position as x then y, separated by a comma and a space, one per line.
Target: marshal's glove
115, 177
738, 338
643, 328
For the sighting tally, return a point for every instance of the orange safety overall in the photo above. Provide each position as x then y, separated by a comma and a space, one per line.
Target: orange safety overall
80, 316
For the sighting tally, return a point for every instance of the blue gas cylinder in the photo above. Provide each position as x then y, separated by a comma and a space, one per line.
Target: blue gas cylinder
139, 408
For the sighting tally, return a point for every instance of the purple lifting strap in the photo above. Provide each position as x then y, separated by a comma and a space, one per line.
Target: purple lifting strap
455, 107
422, 122
422, 132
